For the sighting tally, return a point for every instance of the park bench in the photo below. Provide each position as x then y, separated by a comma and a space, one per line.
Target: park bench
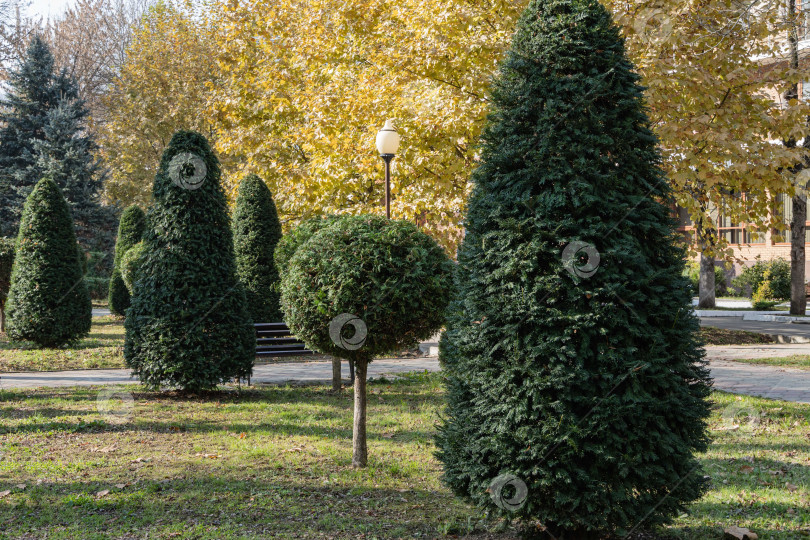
275, 339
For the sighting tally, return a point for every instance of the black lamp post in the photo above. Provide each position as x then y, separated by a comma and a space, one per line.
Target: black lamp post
387, 146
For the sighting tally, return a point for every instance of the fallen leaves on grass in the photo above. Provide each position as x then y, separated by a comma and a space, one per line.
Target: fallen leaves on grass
207, 456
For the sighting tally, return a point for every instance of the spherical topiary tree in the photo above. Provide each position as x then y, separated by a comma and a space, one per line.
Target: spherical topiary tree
130, 231
285, 249
575, 378
187, 326
131, 264
48, 301
256, 231
362, 287
297, 236
7, 249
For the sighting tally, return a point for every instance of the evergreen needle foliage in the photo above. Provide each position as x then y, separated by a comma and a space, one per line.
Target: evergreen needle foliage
256, 232
187, 326
7, 249
297, 237
48, 301
130, 232
571, 355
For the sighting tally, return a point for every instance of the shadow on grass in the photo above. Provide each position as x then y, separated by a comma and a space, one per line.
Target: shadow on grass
263, 505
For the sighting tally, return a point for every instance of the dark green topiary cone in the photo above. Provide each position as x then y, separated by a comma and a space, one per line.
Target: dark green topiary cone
571, 351
187, 326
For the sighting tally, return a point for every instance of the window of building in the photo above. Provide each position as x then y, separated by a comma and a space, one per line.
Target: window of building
784, 209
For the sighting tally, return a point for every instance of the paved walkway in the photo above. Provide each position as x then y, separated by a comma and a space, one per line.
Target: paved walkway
765, 381
265, 373
790, 332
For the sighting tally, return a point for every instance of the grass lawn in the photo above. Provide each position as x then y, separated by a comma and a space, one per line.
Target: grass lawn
103, 348
796, 361
276, 462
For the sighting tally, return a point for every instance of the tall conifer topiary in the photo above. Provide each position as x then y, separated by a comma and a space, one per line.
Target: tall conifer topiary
576, 382
256, 231
130, 231
48, 301
187, 326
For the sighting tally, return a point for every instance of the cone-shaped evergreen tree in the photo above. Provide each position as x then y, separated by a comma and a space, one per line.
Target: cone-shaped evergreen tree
48, 301
130, 231
256, 231
187, 325
571, 353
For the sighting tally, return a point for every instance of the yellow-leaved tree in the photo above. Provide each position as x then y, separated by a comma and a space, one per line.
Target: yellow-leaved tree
296, 92
308, 84
164, 85
714, 97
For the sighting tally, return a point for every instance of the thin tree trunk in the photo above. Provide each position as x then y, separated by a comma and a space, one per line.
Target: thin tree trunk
337, 384
359, 449
798, 295
351, 372
706, 284
2, 316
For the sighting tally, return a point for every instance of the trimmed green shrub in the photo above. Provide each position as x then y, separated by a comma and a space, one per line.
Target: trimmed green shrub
256, 232
692, 272
131, 264
764, 298
299, 235
7, 248
130, 231
187, 326
571, 357
362, 287
47, 301
751, 278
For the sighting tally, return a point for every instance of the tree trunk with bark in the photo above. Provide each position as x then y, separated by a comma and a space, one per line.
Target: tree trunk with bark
359, 447
798, 296
706, 284
337, 383
2, 317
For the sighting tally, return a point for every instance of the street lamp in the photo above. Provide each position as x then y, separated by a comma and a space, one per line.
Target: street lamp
387, 146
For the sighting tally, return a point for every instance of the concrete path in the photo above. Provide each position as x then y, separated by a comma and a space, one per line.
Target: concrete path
266, 373
774, 350
789, 332
101, 312
765, 381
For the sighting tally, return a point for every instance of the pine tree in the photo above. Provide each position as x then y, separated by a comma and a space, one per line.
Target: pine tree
65, 154
48, 301
32, 92
571, 353
187, 325
130, 231
256, 232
